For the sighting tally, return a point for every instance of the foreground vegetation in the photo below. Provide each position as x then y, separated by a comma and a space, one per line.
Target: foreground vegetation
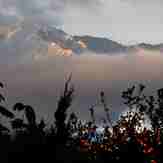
69, 140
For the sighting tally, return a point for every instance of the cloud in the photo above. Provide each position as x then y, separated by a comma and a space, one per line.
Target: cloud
119, 20
47, 11
39, 8
126, 21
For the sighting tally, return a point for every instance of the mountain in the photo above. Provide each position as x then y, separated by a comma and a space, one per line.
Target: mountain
101, 45
36, 40
148, 46
80, 44
59, 39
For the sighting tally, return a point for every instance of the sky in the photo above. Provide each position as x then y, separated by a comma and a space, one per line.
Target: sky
125, 21
40, 82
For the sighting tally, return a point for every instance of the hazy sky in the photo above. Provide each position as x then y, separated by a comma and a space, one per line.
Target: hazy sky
40, 82
127, 21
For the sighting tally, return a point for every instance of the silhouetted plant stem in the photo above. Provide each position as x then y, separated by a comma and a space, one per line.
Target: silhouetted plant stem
106, 109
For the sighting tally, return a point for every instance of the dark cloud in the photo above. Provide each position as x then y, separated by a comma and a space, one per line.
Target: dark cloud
39, 8
36, 10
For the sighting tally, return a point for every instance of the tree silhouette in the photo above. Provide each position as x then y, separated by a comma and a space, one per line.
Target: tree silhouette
33, 139
60, 115
4, 111
106, 109
147, 105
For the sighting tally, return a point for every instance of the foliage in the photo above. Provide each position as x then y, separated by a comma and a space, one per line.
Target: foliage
61, 112
69, 140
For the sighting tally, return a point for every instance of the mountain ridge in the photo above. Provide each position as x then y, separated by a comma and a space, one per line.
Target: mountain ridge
53, 40
102, 45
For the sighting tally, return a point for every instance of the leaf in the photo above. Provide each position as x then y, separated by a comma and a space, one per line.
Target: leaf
102, 95
160, 93
3, 128
141, 88
131, 90
6, 112
1, 85
41, 125
2, 98
18, 124
18, 107
30, 114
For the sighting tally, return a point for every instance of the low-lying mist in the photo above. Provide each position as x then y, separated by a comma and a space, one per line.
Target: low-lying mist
40, 82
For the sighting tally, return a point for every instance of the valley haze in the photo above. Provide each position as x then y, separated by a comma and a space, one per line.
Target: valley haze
106, 45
